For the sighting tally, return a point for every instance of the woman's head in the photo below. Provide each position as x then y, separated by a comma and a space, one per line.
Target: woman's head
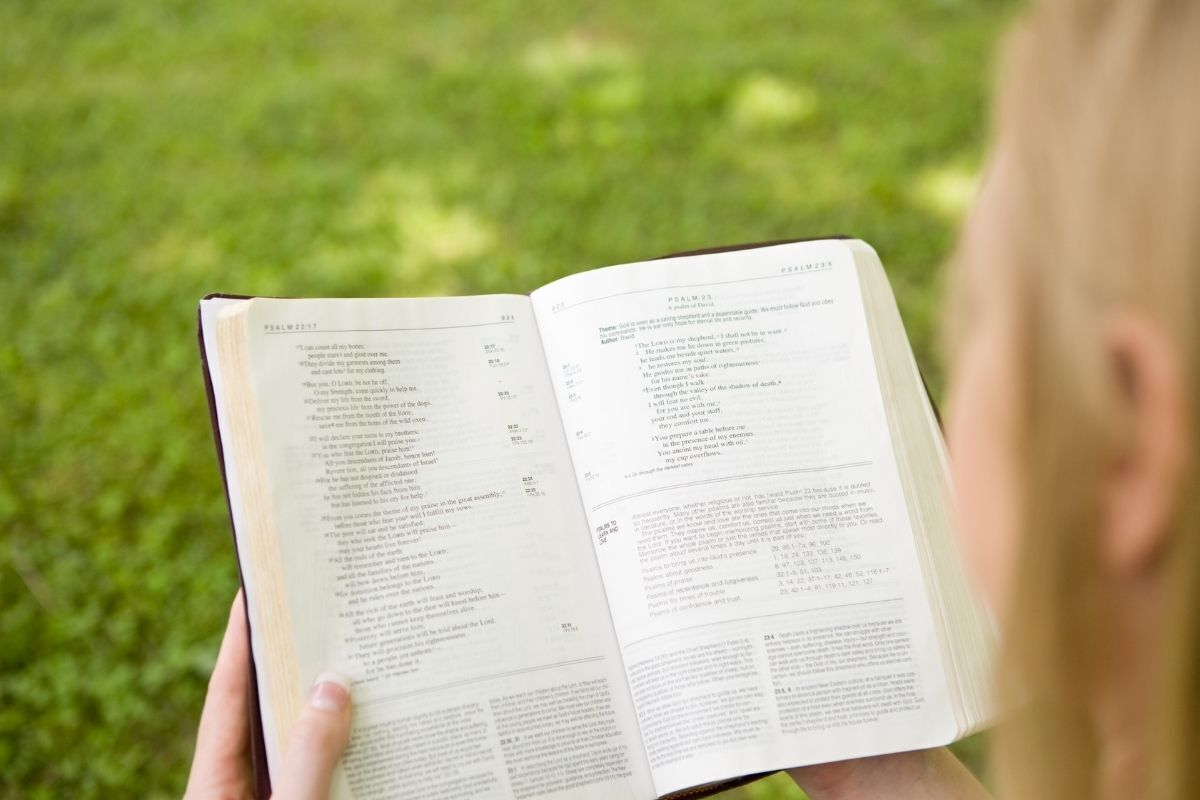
1073, 420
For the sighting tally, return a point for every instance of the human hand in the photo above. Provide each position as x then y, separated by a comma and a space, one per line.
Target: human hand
920, 774
220, 767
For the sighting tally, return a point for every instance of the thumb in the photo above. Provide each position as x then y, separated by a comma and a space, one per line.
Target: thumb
317, 741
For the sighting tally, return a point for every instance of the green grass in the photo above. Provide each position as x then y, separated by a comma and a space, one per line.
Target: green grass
152, 152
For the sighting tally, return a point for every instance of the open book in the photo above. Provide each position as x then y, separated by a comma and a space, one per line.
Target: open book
652, 529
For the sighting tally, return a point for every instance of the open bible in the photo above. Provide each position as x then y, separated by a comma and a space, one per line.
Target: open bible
648, 531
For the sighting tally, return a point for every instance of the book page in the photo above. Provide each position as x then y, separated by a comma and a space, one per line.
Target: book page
434, 549
727, 430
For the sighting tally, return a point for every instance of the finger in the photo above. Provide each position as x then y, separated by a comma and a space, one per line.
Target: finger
317, 741
223, 738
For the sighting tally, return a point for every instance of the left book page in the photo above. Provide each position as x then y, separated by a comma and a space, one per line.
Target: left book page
406, 514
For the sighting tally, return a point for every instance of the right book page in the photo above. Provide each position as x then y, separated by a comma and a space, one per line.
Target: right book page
727, 428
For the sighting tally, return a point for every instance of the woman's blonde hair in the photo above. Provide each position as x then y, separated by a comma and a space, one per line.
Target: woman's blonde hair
1098, 119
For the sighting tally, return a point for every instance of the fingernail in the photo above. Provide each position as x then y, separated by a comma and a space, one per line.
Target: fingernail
330, 692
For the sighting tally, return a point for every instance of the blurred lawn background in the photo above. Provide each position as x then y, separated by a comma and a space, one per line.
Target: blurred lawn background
151, 152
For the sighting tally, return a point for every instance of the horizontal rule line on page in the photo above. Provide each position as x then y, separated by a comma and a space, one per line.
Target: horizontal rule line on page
690, 286
493, 676
762, 616
390, 330
796, 471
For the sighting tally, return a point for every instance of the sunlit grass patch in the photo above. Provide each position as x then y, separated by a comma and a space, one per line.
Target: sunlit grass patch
946, 191
400, 229
768, 102
561, 59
